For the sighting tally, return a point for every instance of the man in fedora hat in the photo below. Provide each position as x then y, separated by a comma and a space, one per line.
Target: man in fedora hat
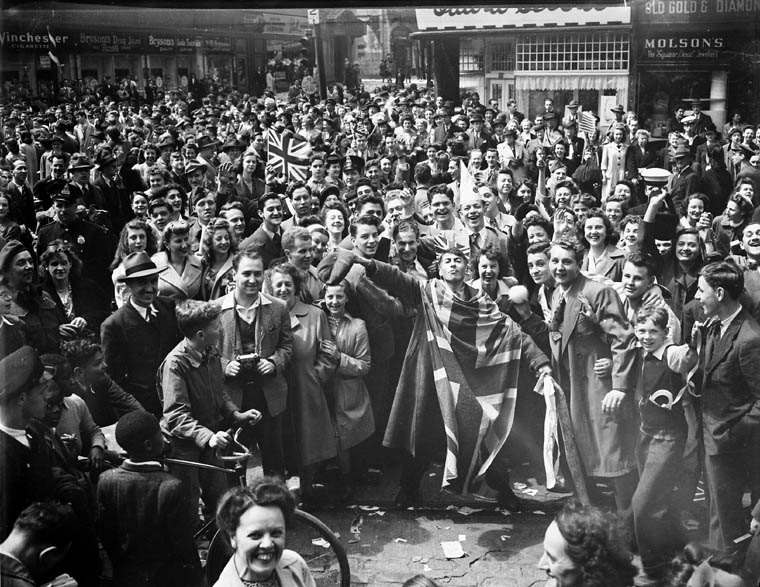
207, 148
111, 186
443, 128
618, 111
138, 336
684, 181
79, 171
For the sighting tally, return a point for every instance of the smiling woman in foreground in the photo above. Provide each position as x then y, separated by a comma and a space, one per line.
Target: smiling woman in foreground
254, 519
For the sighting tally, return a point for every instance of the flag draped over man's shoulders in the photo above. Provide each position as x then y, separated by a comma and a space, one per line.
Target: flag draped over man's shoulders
288, 154
466, 353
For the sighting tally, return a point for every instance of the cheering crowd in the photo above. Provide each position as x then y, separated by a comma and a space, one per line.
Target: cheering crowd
368, 278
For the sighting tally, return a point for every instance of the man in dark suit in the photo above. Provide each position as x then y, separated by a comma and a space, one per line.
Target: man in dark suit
138, 336
111, 186
684, 181
267, 238
575, 144
443, 128
256, 345
22, 200
730, 403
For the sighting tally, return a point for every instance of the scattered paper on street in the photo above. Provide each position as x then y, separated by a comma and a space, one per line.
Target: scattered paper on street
452, 549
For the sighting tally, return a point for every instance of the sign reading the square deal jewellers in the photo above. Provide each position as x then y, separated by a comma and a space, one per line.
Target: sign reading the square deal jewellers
517, 18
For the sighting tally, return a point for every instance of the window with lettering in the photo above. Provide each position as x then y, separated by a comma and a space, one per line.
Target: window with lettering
602, 51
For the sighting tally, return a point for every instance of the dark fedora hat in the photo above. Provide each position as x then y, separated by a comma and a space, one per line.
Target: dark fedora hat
139, 265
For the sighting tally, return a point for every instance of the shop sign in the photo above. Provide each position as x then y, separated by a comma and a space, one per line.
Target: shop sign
218, 45
110, 43
686, 11
172, 44
677, 48
285, 25
527, 17
34, 40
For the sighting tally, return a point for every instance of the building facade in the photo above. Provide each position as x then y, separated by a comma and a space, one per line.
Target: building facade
703, 49
533, 53
41, 47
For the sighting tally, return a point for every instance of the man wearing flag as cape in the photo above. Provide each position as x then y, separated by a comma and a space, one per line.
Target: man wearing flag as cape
458, 384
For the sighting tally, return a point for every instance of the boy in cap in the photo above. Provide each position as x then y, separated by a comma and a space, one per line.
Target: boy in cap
146, 518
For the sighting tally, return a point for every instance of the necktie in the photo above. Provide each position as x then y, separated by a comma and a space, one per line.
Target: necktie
150, 316
713, 337
559, 316
277, 240
474, 244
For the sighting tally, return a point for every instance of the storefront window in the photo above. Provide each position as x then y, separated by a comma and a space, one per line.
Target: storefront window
501, 56
661, 91
573, 52
471, 56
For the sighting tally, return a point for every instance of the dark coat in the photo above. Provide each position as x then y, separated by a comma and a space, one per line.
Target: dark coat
90, 301
146, 526
116, 201
26, 475
108, 402
134, 349
731, 388
12, 335
261, 240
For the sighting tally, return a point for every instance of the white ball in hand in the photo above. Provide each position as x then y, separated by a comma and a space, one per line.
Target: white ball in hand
518, 294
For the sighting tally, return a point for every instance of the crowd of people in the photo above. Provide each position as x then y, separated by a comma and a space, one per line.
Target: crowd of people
434, 264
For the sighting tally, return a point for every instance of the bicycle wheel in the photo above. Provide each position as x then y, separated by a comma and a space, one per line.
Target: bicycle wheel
328, 565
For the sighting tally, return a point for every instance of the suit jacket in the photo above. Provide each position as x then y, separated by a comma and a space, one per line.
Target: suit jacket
115, 200
274, 342
22, 205
261, 240
134, 349
731, 388
635, 160
681, 185
441, 134
26, 475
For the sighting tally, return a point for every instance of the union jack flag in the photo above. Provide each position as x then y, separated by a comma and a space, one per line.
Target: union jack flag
288, 154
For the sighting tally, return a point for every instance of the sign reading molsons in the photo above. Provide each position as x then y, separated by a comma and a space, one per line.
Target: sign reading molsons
681, 47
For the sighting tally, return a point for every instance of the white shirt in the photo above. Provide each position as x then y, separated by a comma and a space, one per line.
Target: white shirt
725, 323
15, 433
248, 313
143, 311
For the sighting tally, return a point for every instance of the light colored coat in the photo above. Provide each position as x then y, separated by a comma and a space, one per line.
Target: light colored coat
352, 409
291, 571
173, 285
308, 373
605, 442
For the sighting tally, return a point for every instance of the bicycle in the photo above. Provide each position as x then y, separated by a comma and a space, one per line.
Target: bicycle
220, 550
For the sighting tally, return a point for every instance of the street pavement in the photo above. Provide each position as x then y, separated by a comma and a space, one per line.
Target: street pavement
386, 546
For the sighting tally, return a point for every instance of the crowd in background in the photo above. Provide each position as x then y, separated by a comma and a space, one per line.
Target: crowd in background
155, 258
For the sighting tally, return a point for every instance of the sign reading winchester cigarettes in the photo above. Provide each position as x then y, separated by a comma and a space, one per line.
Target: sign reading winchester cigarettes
519, 17
42, 40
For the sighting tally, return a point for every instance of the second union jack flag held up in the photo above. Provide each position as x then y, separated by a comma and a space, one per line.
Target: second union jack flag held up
288, 154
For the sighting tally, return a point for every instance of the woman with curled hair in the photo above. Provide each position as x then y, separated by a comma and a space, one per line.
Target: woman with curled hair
335, 219
602, 256
254, 520
729, 226
695, 567
584, 547
81, 301
136, 236
182, 279
218, 246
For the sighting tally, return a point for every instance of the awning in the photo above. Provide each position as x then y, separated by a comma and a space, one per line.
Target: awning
550, 82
